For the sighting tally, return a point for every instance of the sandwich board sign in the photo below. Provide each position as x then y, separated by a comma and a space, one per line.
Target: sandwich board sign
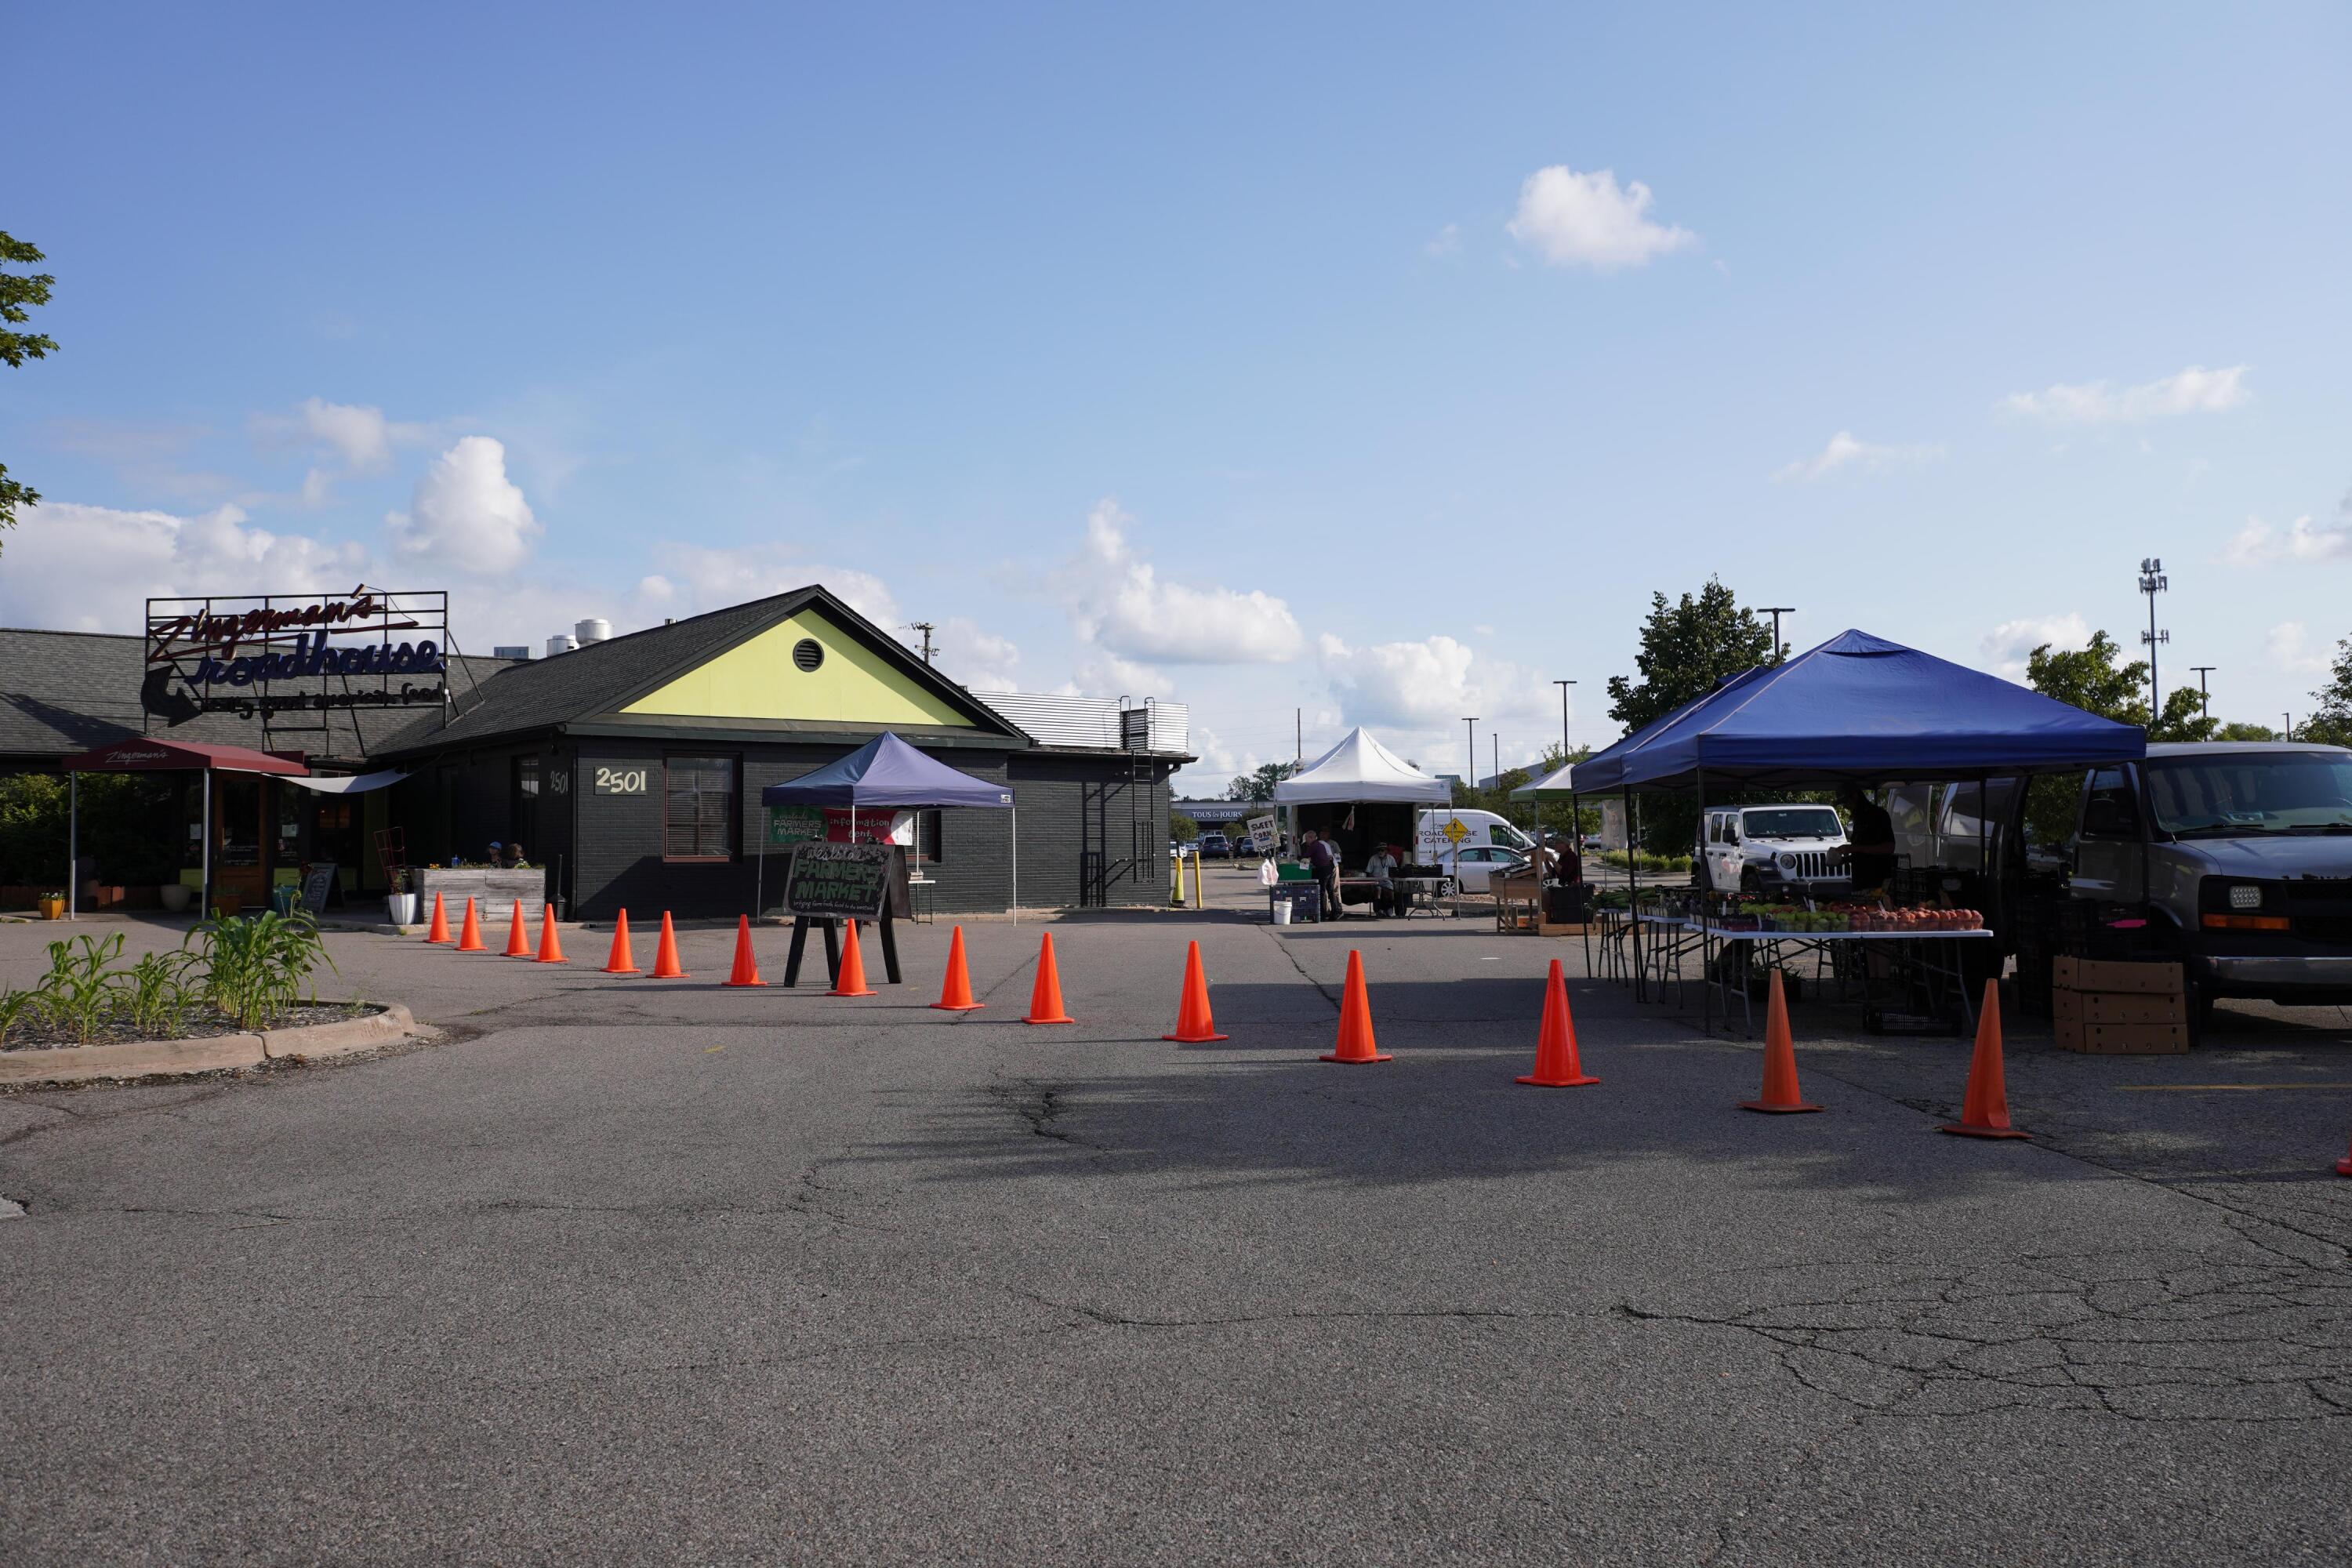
1262, 833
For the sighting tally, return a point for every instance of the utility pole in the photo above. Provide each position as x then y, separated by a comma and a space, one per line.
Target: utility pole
2290, 726
1298, 736
1470, 754
1776, 612
1564, 686
2152, 582
2204, 699
926, 629
1491, 735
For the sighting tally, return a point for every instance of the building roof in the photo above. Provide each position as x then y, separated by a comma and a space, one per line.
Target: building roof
62, 693
592, 686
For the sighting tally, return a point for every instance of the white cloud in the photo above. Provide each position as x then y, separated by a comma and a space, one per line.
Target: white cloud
1446, 241
2008, 645
702, 578
91, 568
1586, 220
467, 515
2195, 390
1106, 675
1119, 604
2259, 544
1415, 696
1846, 450
2289, 644
356, 436
978, 658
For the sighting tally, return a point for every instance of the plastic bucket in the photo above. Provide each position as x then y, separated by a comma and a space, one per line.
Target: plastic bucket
1282, 908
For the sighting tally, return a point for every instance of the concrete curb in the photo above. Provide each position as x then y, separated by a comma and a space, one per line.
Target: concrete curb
215, 1053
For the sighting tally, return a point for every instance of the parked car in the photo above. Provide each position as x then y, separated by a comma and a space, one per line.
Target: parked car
1763, 848
1475, 865
1214, 847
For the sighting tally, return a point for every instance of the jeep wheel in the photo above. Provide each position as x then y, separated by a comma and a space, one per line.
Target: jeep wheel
1751, 885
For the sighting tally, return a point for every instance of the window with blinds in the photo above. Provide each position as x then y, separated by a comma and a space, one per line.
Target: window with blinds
698, 808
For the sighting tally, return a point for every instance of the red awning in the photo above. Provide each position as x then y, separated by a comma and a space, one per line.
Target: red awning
145, 755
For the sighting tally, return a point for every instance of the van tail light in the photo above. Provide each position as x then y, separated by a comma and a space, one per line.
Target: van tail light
2245, 922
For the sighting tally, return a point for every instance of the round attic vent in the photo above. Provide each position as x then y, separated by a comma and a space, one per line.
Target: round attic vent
808, 653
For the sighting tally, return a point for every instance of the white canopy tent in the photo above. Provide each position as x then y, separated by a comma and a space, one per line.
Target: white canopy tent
1359, 769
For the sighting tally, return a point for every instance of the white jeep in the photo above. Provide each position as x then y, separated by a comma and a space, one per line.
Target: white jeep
1767, 848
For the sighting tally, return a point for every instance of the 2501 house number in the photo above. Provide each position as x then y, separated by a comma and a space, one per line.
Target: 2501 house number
621, 780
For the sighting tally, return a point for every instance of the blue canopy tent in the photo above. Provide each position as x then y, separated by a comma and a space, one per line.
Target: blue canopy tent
1856, 709
888, 773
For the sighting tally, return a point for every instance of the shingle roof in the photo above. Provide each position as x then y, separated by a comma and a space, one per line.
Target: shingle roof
603, 677
62, 693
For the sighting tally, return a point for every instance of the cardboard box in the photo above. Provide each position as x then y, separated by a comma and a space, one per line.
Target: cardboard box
2070, 973
2119, 1007
2120, 1040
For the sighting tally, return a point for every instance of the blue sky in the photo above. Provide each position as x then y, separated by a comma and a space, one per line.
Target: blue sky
1376, 362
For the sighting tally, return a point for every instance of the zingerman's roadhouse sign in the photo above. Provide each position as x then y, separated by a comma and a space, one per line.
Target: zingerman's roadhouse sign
277, 653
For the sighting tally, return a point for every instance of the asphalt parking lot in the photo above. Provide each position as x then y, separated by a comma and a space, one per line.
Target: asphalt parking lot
636, 1271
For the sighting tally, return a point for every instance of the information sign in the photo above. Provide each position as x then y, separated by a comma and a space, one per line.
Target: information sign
838, 881
1263, 834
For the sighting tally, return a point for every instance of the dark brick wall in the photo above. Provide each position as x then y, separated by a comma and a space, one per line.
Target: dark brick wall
1073, 810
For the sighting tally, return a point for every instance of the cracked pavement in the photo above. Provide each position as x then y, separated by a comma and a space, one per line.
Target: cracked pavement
632, 1272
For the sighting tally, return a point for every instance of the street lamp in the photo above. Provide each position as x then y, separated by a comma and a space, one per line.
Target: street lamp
1564, 686
1776, 612
2204, 699
1470, 754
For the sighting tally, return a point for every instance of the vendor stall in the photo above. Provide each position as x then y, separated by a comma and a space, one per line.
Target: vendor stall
883, 776
1856, 711
1361, 795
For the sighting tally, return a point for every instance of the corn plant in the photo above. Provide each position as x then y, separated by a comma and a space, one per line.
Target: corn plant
83, 987
16, 1007
159, 993
255, 965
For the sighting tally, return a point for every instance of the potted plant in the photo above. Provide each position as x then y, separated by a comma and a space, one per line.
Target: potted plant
176, 897
53, 906
400, 904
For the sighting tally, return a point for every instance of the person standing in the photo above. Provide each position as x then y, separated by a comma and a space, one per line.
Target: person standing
1323, 863
1873, 838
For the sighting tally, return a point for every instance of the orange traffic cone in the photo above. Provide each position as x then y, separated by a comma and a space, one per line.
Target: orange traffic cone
1556, 1063
747, 969
469, 938
853, 968
439, 929
620, 961
1195, 1024
1355, 1019
1779, 1091
1045, 996
551, 950
665, 965
1984, 1108
955, 992
517, 945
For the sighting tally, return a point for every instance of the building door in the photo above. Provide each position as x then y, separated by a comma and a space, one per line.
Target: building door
239, 868
335, 836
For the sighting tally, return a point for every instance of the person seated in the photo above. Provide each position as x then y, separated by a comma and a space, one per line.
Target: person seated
514, 860
495, 858
1382, 866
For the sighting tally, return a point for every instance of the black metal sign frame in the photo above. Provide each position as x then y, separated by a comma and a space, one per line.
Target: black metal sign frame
274, 655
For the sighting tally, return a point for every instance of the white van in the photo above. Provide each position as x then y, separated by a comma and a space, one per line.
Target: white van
1436, 846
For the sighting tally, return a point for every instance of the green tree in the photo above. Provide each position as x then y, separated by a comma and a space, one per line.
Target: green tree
17, 291
1182, 828
1259, 786
2330, 723
1687, 648
2239, 729
2089, 677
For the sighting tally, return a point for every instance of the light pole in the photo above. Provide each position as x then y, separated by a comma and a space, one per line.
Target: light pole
1498, 741
2290, 727
2152, 582
2204, 699
1776, 612
1470, 754
1564, 686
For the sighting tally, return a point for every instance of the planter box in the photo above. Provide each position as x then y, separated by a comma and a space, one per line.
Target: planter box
489, 890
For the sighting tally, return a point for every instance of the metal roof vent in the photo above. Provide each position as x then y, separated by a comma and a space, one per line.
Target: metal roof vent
807, 654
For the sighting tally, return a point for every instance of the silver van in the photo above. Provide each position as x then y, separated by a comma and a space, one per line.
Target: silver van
2245, 848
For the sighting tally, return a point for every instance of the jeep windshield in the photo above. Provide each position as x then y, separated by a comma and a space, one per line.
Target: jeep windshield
2252, 795
1792, 822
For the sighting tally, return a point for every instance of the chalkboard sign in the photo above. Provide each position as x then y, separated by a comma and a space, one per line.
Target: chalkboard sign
838, 880
316, 885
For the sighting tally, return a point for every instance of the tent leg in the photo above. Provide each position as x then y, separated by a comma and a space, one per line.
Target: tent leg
1706, 886
204, 903
1633, 901
73, 847
759, 868
1016, 867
